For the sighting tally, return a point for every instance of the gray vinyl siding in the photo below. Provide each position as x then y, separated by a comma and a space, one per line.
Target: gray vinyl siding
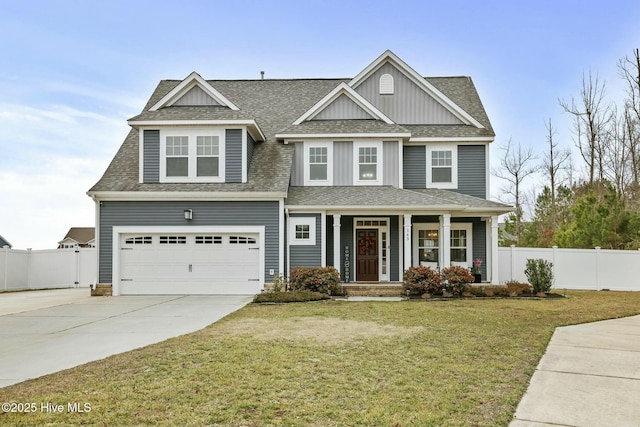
342, 108
390, 167
297, 171
251, 144
196, 96
409, 104
394, 252
480, 244
151, 156
346, 244
307, 255
233, 155
171, 213
329, 238
414, 158
342, 163
472, 175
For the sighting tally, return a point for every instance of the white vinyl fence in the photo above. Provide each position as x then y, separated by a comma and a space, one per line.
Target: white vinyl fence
47, 269
593, 269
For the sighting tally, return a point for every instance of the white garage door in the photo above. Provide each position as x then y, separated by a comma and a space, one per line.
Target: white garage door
182, 263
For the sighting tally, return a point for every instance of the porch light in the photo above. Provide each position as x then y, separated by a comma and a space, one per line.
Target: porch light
188, 214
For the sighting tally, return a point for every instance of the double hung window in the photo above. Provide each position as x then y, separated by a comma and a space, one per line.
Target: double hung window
192, 155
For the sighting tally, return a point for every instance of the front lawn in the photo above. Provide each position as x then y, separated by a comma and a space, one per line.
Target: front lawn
458, 363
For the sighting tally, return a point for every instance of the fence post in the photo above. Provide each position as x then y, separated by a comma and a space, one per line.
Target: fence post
513, 262
555, 265
29, 253
6, 265
598, 287
77, 251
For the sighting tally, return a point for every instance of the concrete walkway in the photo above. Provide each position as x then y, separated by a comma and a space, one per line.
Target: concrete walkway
18, 302
46, 340
589, 376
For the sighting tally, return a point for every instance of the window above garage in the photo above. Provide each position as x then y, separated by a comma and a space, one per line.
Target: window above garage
192, 155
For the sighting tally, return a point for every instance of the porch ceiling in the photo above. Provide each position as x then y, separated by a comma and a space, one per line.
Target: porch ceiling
387, 198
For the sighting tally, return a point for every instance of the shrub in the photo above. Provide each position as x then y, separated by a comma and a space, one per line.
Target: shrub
422, 279
539, 272
456, 279
316, 279
516, 288
293, 296
280, 283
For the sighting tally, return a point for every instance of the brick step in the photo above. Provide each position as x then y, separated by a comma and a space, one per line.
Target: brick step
373, 290
102, 290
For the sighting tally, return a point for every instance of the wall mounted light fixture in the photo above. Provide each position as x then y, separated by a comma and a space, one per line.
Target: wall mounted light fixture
188, 214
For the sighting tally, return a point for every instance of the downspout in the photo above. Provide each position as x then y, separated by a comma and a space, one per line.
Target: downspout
97, 240
286, 243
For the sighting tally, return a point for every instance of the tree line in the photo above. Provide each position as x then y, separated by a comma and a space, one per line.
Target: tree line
602, 209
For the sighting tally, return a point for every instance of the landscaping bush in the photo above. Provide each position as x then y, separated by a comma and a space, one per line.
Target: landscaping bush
516, 288
539, 272
456, 279
422, 279
316, 279
292, 296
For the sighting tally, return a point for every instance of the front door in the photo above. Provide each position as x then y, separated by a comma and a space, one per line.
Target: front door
367, 255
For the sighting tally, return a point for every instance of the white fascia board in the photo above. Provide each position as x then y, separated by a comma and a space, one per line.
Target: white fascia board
374, 210
345, 89
289, 137
190, 81
488, 211
252, 126
460, 139
185, 195
417, 79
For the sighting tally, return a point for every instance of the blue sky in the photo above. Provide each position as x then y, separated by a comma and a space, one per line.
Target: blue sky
73, 72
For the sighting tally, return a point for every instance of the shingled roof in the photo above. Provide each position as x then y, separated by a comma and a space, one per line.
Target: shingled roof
274, 105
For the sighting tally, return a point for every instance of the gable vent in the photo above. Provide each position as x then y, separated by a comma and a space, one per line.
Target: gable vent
386, 84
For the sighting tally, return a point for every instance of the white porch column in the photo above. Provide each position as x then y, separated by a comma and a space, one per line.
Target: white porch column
407, 241
494, 251
336, 242
445, 221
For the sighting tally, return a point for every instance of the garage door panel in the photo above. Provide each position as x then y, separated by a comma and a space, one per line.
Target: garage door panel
203, 264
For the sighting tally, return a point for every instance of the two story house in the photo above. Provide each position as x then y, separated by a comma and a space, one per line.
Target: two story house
223, 184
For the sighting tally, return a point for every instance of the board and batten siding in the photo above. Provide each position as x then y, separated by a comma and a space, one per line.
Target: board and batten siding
343, 108
196, 96
171, 213
409, 104
342, 163
307, 255
414, 158
472, 176
297, 169
233, 155
391, 163
151, 156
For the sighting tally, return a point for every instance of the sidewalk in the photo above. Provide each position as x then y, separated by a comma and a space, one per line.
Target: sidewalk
18, 302
589, 376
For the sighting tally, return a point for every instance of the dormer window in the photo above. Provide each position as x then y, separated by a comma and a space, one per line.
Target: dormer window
191, 155
386, 84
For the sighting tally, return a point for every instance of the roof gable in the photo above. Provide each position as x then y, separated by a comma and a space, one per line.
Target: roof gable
420, 82
342, 94
193, 89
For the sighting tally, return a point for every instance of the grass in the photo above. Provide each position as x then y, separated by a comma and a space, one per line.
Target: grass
454, 363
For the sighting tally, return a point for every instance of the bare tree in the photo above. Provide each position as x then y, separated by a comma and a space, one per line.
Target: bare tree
616, 158
515, 166
591, 117
553, 161
629, 71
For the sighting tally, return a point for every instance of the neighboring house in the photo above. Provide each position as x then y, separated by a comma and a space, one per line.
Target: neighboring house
82, 237
222, 184
4, 242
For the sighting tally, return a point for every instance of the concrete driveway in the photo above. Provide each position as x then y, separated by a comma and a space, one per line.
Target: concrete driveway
82, 329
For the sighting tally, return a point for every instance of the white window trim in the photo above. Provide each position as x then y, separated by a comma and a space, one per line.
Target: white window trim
436, 226
192, 133
302, 220
307, 170
454, 166
356, 162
